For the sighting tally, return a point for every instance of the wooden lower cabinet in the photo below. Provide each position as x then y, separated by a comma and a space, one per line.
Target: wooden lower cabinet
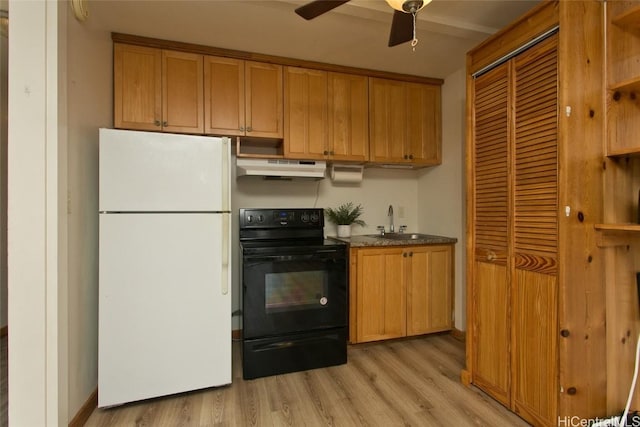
429, 289
400, 291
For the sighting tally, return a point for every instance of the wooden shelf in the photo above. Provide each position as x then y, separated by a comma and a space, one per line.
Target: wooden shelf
616, 235
623, 227
628, 19
260, 147
629, 85
625, 152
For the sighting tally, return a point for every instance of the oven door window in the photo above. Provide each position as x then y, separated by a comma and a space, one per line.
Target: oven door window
289, 294
296, 290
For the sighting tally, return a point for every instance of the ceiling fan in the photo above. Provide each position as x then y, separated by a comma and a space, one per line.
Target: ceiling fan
403, 25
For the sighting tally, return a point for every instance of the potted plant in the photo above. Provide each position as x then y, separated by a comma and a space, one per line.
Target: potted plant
344, 216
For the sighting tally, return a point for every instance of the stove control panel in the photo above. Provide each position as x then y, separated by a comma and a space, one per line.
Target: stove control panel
281, 218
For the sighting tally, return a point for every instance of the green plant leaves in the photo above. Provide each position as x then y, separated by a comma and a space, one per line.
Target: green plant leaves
346, 214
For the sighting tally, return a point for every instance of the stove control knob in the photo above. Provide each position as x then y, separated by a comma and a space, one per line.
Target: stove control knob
249, 219
315, 217
305, 217
260, 218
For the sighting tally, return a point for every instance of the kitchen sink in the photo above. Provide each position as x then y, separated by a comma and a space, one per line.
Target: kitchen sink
401, 236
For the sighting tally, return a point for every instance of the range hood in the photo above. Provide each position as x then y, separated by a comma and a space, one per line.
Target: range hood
281, 168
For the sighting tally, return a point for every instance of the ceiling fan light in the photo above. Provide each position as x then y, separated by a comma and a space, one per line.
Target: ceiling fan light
408, 6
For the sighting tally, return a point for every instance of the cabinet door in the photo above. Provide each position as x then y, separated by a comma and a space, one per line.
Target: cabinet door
381, 294
535, 246
388, 118
490, 227
263, 100
137, 87
223, 96
424, 139
305, 113
182, 92
348, 117
429, 289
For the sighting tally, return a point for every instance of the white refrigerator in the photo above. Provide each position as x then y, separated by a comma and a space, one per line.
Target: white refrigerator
164, 253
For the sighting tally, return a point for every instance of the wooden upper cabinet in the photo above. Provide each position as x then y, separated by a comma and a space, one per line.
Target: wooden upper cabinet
305, 113
224, 112
348, 117
182, 92
424, 124
263, 100
157, 90
387, 115
137, 96
323, 114
326, 115
405, 122
242, 98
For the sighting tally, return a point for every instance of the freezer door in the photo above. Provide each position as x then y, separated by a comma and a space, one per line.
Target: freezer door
148, 171
164, 305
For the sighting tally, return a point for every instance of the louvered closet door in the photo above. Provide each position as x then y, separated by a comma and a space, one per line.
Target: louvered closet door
491, 362
535, 249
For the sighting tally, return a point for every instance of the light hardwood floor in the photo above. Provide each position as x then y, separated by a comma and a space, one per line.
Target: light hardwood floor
410, 382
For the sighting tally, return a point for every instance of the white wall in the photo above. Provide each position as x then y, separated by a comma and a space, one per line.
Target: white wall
90, 107
441, 195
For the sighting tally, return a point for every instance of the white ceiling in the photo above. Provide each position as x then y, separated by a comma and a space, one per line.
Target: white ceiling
355, 34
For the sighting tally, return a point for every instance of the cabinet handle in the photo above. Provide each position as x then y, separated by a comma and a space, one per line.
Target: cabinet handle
249, 129
411, 156
331, 152
164, 123
491, 256
404, 254
411, 254
406, 157
242, 128
156, 122
325, 152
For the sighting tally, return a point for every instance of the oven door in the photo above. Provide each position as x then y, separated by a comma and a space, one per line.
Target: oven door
292, 292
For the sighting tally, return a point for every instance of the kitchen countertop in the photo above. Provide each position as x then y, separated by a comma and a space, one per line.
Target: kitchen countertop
377, 240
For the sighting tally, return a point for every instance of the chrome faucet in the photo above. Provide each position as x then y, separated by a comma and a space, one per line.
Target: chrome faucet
390, 215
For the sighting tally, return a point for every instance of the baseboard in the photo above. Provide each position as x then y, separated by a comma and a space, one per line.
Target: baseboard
85, 411
4, 331
458, 334
236, 334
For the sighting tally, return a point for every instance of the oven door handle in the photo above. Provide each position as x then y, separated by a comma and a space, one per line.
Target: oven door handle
271, 258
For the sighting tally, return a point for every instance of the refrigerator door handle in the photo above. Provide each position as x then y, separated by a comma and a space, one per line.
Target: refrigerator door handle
225, 174
225, 254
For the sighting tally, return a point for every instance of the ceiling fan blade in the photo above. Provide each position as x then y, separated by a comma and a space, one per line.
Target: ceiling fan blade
401, 28
318, 7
